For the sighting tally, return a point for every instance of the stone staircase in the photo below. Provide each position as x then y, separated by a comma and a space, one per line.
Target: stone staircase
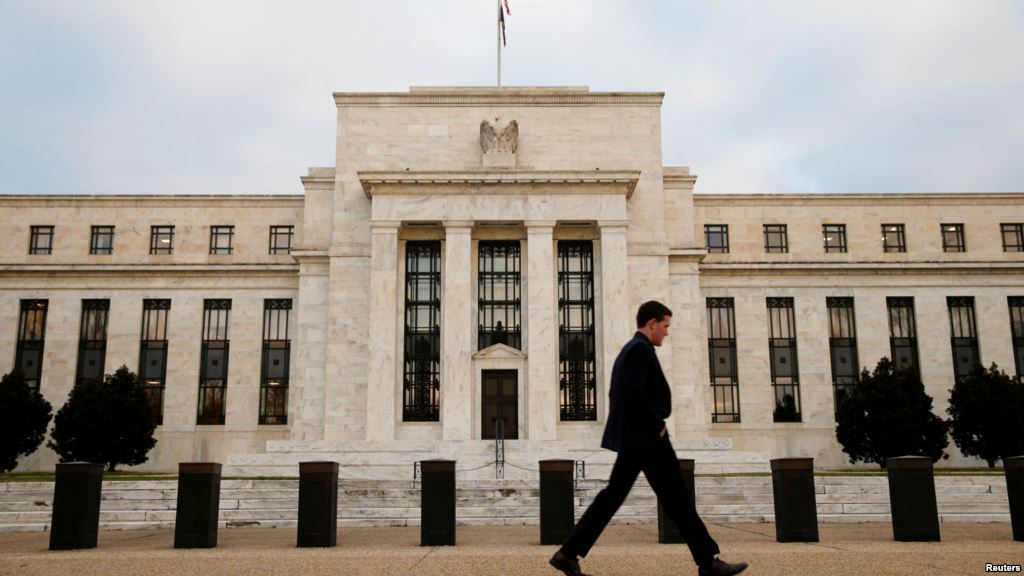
26, 506
394, 460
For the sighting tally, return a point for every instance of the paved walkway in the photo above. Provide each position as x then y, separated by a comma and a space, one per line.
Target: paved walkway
622, 550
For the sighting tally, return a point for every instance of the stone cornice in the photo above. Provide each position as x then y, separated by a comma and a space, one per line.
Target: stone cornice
483, 96
979, 267
921, 199
499, 182
169, 200
135, 269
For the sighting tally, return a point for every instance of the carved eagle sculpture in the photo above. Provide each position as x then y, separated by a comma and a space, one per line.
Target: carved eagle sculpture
505, 141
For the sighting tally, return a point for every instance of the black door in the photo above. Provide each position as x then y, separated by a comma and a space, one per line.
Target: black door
499, 399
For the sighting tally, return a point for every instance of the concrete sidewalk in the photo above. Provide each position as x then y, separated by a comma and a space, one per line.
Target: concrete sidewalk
622, 550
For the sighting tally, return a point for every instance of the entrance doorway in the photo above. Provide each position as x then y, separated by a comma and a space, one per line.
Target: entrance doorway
499, 399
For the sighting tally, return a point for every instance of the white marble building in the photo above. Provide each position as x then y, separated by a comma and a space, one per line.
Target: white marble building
380, 301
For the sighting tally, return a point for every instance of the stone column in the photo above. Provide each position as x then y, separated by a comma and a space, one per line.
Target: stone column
456, 331
615, 310
383, 390
541, 332
689, 351
306, 393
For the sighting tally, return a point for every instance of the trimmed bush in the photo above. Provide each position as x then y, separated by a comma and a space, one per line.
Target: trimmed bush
24, 416
986, 409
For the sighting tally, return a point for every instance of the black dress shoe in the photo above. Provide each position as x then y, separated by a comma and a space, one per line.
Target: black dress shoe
568, 566
721, 568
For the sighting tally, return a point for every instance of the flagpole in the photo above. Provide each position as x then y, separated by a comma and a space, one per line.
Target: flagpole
499, 44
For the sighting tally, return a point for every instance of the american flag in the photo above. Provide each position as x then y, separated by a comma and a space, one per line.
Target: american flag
501, 20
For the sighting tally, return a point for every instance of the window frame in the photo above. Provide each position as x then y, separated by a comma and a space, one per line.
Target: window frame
782, 230
723, 394
577, 369
158, 310
156, 234
959, 240
1017, 230
96, 232
837, 248
489, 279
32, 313
214, 395
273, 310
36, 235
421, 360
901, 238
778, 341
842, 327
217, 233
276, 232
723, 231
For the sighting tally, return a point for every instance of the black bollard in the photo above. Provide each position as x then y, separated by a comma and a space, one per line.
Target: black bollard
75, 522
437, 503
915, 515
318, 505
557, 500
195, 521
668, 532
796, 511
1014, 468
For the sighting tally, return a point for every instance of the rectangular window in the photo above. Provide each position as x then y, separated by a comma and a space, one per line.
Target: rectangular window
1013, 237
161, 239
499, 292
1016, 329
953, 238
153, 353
782, 350
220, 239
28, 353
902, 333
281, 239
421, 387
41, 240
842, 343
716, 238
776, 238
102, 241
893, 238
577, 360
725, 386
835, 237
213, 361
275, 366
964, 335
92, 340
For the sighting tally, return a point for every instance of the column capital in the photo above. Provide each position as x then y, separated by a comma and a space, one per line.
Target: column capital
385, 226
457, 224
612, 224
539, 224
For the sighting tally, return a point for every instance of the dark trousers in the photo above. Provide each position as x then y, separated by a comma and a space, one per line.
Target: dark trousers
661, 467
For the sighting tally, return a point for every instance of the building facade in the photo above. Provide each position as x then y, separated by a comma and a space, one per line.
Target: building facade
468, 270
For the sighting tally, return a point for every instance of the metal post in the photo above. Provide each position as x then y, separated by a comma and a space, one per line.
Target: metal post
318, 505
796, 510
668, 532
195, 520
1014, 468
75, 522
557, 500
437, 503
915, 516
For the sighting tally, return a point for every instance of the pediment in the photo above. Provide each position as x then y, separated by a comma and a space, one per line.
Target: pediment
499, 351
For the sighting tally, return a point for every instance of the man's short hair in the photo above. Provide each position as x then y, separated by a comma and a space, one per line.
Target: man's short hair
651, 310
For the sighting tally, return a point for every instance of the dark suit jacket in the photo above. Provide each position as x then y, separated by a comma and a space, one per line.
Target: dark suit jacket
640, 398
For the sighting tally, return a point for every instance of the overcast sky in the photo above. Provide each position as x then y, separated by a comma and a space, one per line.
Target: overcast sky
218, 96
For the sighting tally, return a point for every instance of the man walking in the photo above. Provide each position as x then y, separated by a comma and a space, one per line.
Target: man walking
640, 402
